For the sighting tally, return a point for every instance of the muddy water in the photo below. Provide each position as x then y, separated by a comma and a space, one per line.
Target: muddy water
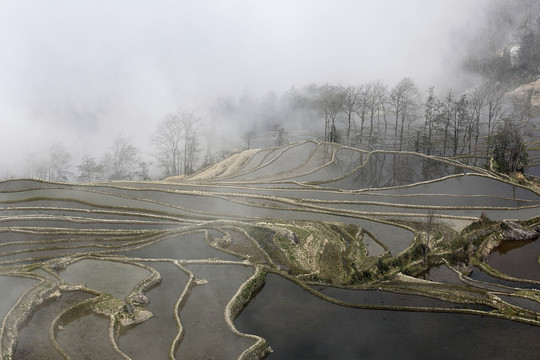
189, 246
298, 325
467, 185
24, 184
113, 278
373, 248
16, 286
34, 342
479, 275
153, 338
518, 259
64, 195
494, 214
87, 337
375, 297
206, 332
382, 170
521, 302
442, 274
534, 170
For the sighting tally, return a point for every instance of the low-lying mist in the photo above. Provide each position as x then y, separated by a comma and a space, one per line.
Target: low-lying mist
81, 81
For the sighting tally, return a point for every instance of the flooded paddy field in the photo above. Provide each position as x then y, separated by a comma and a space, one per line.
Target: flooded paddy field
300, 325
312, 248
141, 342
206, 330
81, 334
34, 341
518, 259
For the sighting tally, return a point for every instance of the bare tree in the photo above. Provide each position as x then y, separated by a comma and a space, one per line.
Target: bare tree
509, 150
90, 169
460, 121
431, 110
177, 143
449, 112
362, 107
429, 223
122, 160
351, 99
167, 139
59, 163
375, 96
280, 135
403, 99
476, 103
190, 125
330, 104
382, 94
494, 93
248, 137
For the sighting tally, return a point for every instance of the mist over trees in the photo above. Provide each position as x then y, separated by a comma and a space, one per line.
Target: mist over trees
52, 164
507, 49
482, 121
121, 161
509, 154
176, 142
371, 116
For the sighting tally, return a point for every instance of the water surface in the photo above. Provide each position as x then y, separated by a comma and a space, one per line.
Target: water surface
299, 325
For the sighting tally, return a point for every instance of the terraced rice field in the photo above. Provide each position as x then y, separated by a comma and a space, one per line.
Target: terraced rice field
162, 269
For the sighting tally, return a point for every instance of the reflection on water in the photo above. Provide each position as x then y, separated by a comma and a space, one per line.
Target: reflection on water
507, 246
518, 259
442, 274
34, 342
298, 325
141, 341
206, 332
16, 286
113, 278
81, 335
376, 297
521, 302
373, 248
479, 275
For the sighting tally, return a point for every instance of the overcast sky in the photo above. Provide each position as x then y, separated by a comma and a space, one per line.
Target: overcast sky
80, 72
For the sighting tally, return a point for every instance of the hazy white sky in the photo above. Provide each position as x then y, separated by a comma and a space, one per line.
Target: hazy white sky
82, 71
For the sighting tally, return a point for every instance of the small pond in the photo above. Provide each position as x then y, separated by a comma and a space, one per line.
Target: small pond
111, 277
518, 259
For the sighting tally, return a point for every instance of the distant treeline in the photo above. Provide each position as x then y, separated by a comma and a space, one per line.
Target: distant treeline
484, 121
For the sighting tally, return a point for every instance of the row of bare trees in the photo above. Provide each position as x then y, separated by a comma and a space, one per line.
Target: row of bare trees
365, 108
120, 162
176, 147
53, 164
374, 116
475, 123
369, 116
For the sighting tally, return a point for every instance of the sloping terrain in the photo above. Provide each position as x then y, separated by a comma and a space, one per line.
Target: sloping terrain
168, 265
